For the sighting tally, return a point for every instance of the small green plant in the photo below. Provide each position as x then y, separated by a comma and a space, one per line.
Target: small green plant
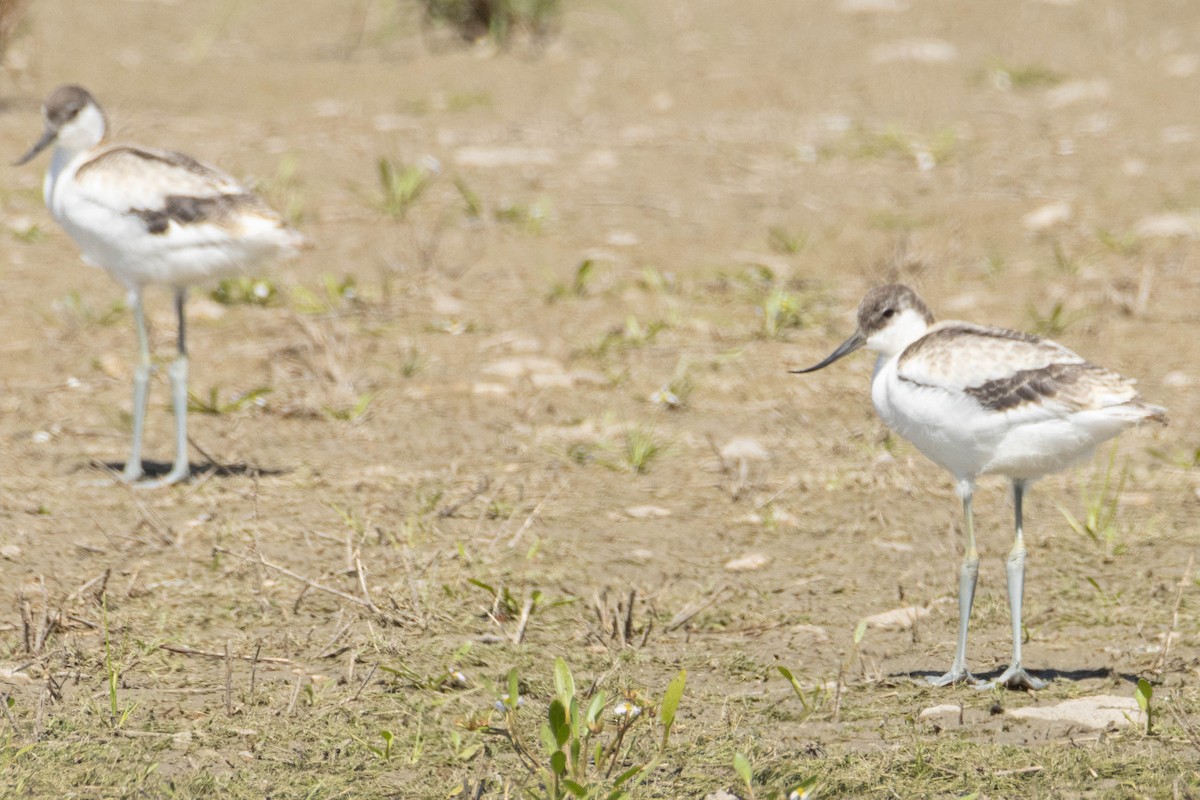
1023, 76
214, 406
786, 242
1142, 694
33, 234
578, 287
495, 19
351, 413
1100, 501
634, 334
813, 700
244, 290
781, 311
412, 362
579, 757
283, 190
1055, 321
402, 185
800, 791
472, 205
1122, 244
76, 309
504, 605
675, 392
641, 447
655, 280
530, 217
335, 293
117, 716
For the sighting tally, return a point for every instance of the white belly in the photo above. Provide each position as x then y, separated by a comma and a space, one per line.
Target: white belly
957, 433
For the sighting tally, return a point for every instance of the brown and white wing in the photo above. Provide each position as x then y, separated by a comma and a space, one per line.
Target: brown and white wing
1010, 371
162, 187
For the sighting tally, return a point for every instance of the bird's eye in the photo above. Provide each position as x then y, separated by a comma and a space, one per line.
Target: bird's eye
888, 313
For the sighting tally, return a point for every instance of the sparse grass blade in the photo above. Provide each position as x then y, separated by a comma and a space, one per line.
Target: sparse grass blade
670, 704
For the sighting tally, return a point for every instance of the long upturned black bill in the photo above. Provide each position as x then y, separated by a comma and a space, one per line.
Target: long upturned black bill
41, 144
844, 349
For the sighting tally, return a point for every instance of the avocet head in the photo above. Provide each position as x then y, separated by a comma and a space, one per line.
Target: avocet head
890, 318
73, 120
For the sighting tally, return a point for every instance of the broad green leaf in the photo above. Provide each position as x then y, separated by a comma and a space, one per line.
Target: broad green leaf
558, 722
548, 739
595, 708
670, 703
514, 690
742, 767
1143, 694
558, 763
574, 788
489, 589
627, 774
796, 687
564, 684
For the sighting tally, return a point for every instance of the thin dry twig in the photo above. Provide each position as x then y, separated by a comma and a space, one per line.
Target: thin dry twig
526, 610
1161, 661
228, 681
295, 695
254, 666
183, 650
366, 680
687, 613
533, 515
367, 603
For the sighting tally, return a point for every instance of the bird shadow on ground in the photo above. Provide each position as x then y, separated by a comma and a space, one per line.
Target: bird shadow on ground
157, 469
1074, 675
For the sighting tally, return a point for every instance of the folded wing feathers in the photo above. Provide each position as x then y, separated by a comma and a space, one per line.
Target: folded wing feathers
1007, 370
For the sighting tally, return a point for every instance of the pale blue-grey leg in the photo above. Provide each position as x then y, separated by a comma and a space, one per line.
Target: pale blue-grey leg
1015, 677
178, 373
967, 576
141, 385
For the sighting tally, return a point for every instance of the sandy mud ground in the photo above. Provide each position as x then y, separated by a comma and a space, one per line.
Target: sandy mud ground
541, 409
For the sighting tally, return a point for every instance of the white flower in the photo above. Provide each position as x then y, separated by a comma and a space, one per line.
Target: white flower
626, 709
665, 397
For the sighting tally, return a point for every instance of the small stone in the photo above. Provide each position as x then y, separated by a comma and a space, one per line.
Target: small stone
743, 448
1167, 226
1073, 92
647, 512
493, 389
1047, 216
721, 794
943, 710
898, 618
113, 366
11, 676
1100, 711
918, 51
747, 563
447, 306
10, 551
551, 380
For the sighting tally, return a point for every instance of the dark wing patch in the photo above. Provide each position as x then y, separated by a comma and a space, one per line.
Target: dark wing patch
1034, 385
189, 210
